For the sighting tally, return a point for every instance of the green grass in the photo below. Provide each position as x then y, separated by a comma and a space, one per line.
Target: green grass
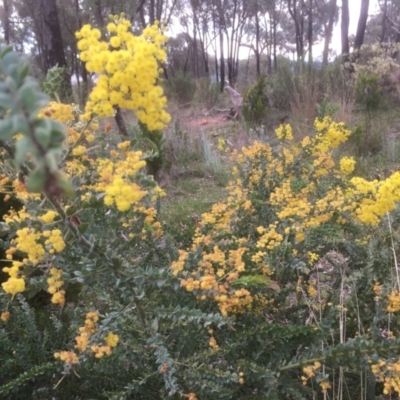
188, 197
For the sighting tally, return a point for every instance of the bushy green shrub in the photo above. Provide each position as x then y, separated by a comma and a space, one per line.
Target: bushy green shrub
255, 102
150, 143
181, 87
368, 93
290, 286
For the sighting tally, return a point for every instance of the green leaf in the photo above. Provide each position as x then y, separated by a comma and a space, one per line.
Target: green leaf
27, 94
10, 164
36, 180
6, 129
43, 137
154, 325
19, 124
51, 161
71, 210
22, 147
6, 101
65, 185
57, 137
24, 71
4, 228
83, 227
5, 51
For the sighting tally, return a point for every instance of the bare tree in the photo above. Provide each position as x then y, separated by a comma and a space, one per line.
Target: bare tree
328, 13
296, 10
310, 33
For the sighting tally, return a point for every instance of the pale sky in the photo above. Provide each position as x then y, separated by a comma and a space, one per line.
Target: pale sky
336, 45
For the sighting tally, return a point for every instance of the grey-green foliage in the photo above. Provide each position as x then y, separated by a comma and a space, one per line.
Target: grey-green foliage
368, 92
181, 87
53, 82
20, 102
326, 108
255, 102
27, 343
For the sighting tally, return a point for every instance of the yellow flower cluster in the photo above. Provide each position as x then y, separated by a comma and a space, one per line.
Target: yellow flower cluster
115, 180
68, 357
329, 135
311, 371
375, 199
27, 241
123, 194
388, 373
13, 285
150, 221
57, 111
284, 132
128, 71
20, 191
347, 165
300, 196
213, 343
4, 181
13, 216
5, 316
312, 288
83, 341
31, 243
216, 266
55, 284
393, 301
270, 238
54, 241
48, 217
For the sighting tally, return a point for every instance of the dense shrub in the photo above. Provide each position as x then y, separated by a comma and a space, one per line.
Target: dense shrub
290, 287
181, 87
255, 102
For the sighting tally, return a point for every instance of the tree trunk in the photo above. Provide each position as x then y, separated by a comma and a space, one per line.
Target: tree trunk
257, 47
298, 21
362, 23
119, 119
151, 13
328, 32
310, 34
222, 61
53, 46
6, 22
384, 18
275, 45
345, 30
98, 13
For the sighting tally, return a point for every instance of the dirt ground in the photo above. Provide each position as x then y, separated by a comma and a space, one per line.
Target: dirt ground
198, 122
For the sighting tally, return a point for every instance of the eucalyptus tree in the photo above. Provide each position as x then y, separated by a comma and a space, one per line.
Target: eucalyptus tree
262, 31
328, 11
389, 16
345, 21
362, 23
